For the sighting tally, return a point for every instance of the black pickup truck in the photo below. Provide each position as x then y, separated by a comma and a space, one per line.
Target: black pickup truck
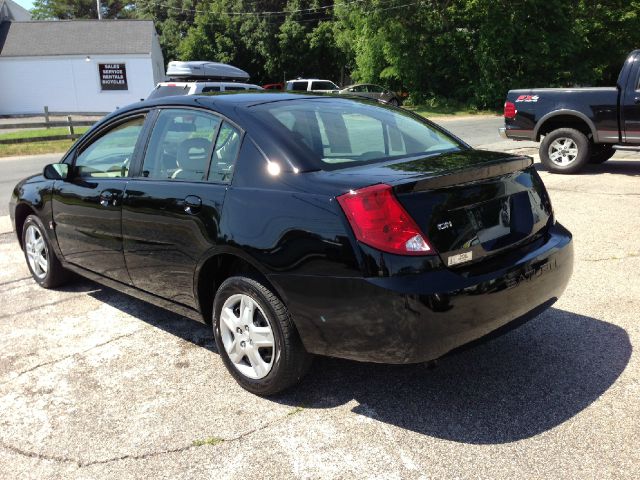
578, 125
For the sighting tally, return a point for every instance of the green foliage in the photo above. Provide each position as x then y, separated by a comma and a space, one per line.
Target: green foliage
70, 9
173, 19
473, 51
271, 47
468, 52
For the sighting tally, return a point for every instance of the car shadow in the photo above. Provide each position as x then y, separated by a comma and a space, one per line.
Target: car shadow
618, 167
513, 387
182, 327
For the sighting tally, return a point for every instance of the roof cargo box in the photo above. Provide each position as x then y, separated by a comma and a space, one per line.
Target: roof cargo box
220, 72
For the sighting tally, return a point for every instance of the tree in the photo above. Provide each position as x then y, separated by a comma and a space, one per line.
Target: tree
297, 40
72, 9
172, 18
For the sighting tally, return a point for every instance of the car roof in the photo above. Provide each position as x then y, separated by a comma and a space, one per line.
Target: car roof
225, 103
310, 80
204, 83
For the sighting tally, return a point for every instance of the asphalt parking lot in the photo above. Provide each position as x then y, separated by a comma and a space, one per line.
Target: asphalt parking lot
95, 384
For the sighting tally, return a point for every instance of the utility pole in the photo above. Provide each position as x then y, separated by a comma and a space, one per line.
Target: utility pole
99, 12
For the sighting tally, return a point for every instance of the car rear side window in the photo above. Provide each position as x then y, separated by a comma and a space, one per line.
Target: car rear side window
340, 132
110, 155
225, 153
323, 86
299, 86
180, 146
210, 89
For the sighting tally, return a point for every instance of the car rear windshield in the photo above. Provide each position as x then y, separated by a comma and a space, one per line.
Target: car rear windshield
168, 91
340, 133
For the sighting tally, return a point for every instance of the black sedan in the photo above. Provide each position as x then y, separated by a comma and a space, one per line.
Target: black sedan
299, 225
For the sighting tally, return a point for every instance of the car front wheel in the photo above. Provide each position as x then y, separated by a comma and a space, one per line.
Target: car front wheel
565, 150
43, 264
256, 337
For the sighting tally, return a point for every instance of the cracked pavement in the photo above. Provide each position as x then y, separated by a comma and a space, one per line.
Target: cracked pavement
95, 384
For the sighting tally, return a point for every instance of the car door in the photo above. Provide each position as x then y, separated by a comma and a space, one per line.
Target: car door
172, 206
631, 105
87, 207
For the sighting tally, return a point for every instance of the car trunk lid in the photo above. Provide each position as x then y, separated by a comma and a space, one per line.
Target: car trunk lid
473, 204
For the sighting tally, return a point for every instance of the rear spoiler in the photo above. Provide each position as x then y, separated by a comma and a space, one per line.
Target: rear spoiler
469, 174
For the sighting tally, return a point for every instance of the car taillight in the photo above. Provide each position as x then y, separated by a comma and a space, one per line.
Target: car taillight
378, 220
510, 110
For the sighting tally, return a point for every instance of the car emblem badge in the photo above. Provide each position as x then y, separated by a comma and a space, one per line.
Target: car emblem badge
445, 225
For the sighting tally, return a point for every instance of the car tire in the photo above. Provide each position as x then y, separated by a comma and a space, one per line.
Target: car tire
44, 265
394, 102
254, 315
565, 150
600, 153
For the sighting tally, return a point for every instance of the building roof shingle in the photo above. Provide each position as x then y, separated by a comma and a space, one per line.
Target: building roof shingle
76, 37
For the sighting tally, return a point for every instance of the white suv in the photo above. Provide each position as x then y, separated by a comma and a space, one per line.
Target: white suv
167, 89
311, 85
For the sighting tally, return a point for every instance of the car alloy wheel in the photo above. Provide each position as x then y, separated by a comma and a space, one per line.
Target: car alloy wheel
37, 252
563, 151
247, 336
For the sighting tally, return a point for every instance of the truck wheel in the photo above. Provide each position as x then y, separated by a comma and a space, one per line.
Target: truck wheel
601, 153
565, 150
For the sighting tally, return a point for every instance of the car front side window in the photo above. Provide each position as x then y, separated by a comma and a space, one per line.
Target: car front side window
110, 155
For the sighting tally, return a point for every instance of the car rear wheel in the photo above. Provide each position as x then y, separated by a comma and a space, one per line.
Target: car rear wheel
601, 153
394, 102
565, 150
256, 337
43, 264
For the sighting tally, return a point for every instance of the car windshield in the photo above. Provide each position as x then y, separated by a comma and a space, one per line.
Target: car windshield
340, 133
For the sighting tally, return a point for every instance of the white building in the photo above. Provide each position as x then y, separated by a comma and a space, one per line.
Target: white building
76, 65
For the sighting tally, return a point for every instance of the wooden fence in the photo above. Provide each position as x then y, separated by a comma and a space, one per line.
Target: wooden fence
48, 123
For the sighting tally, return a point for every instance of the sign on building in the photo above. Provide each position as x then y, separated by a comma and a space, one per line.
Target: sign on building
113, 76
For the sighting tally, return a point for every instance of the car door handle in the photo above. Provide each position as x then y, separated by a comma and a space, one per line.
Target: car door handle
192, 204
108, 197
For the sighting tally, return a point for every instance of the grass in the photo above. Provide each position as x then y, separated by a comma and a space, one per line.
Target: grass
35, 148
437, 107
40, 132
295, 410
207, 441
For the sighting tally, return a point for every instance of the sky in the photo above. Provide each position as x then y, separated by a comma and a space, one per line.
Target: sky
28, 4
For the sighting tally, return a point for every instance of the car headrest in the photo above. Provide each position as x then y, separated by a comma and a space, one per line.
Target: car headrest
193, 155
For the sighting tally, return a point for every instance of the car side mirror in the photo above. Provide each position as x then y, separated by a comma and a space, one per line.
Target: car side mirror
56, 171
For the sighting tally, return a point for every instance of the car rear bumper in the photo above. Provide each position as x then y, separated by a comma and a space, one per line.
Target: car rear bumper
416, 318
